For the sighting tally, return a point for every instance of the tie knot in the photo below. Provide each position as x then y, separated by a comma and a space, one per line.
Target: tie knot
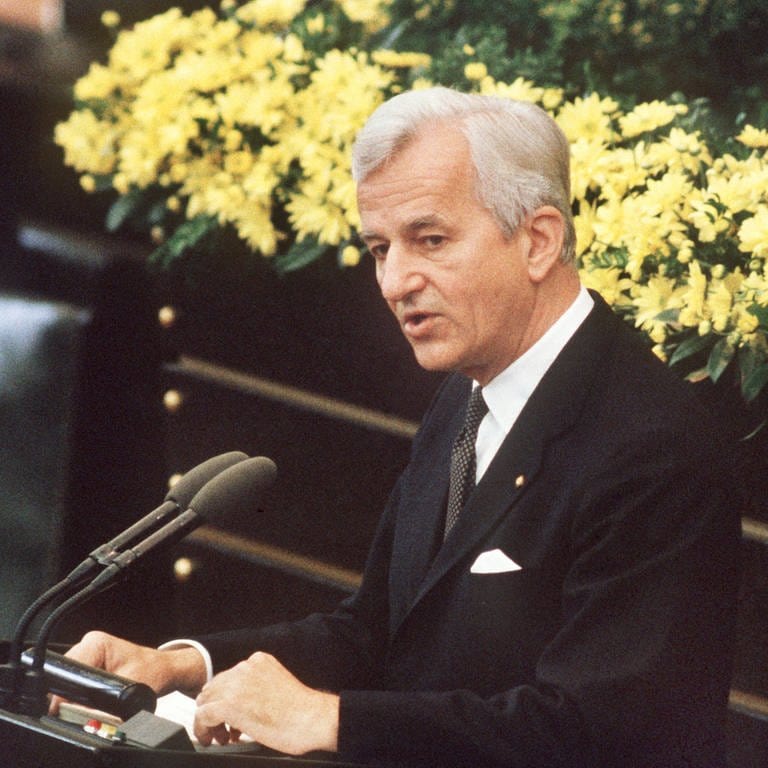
476, 410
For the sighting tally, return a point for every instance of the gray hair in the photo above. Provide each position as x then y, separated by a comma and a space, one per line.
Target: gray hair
520, 155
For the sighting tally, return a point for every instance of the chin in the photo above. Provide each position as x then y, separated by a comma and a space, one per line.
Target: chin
436, 362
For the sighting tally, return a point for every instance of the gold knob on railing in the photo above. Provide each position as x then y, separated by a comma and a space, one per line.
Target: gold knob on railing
167, 316
172, 400
183, 568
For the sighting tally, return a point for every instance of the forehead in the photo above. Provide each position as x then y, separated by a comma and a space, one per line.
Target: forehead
431, 174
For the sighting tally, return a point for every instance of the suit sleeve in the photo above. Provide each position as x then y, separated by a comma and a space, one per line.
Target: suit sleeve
329, 651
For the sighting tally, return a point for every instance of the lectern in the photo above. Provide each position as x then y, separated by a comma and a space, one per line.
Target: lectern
46, 742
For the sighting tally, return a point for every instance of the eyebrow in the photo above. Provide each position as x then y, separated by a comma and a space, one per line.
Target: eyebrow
411, 227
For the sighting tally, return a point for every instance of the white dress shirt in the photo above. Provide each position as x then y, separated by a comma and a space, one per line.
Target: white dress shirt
507, 393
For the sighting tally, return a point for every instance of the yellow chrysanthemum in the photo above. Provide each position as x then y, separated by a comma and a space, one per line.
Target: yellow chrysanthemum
394, 59
373, 13
693, 297
583, 223
99, 83
146, 47
709, 218
610, 283
519, 89
719, 302
753, 137
350, 256
475, 70
110, 19
746, 322
649, 116
590, 117
232, 116
264, 13
753, 233
90, 145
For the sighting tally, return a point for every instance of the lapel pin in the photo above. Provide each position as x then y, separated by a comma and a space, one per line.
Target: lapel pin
519, 481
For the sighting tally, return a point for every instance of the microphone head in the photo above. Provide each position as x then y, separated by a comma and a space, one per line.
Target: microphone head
185, 488
235, 490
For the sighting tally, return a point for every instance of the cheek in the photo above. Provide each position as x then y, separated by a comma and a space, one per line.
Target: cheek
496, 308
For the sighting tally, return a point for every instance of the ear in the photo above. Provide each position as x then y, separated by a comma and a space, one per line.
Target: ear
545, 229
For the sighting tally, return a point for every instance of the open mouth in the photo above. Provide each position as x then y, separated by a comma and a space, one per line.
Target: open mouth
417, 323
416, 319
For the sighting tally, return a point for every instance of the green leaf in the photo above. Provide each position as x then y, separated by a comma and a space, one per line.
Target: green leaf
748, 361
761, 313
753, 383
689, 347
300, 254
719, 358
103, 182
186, 236
696, 376
668, 315
156, 213
755, 431
122, 209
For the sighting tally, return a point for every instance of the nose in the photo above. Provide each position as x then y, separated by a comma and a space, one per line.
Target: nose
398, 276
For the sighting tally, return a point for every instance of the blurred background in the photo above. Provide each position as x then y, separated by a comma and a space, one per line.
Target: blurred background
115, 378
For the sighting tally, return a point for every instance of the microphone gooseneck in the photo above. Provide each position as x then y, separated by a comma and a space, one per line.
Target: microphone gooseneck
233, 491
177, 498
12, 675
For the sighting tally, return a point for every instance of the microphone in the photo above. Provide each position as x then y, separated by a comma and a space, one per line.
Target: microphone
179, 497
94, 687
231, 492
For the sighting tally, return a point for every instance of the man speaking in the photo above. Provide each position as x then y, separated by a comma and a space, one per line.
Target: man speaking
554, 577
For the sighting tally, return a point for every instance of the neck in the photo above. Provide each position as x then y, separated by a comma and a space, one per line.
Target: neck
550, 300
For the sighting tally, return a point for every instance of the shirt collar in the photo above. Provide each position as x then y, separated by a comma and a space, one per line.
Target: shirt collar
507, 393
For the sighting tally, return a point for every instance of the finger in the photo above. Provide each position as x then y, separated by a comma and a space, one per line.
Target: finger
218, 733
203, 734
209, 725
53, 705
92, 648
221, 734
207, 693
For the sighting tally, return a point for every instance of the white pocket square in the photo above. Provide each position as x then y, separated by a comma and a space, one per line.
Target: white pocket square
494, 561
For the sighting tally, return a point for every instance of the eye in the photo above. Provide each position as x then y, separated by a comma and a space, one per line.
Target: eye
378, 250
432, 241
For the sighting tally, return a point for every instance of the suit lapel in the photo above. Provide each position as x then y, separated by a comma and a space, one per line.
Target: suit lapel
552, 408
422, 511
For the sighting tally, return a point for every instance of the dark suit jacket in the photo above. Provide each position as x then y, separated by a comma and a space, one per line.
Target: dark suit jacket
610, 646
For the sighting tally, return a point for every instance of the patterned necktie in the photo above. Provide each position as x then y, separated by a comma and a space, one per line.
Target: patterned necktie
463, 459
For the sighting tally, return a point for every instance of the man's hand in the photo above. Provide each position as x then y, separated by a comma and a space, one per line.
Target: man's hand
261, 698
164, 671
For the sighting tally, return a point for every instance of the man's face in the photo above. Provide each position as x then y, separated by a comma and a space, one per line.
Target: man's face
459, 288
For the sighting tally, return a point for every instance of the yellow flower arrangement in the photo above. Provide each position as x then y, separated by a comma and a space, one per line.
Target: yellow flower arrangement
244, 118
